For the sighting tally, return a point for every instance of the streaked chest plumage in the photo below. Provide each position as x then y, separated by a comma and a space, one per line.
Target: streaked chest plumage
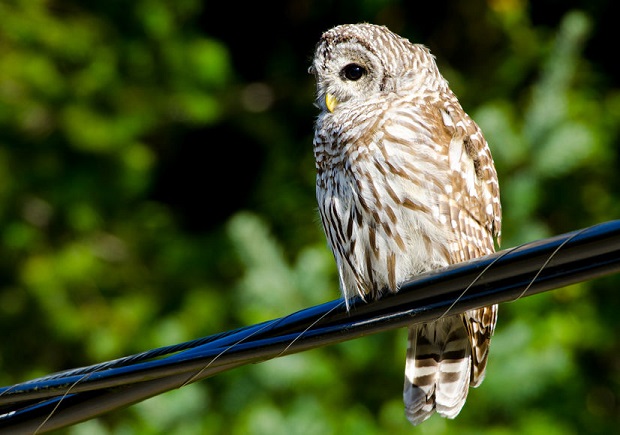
381, 180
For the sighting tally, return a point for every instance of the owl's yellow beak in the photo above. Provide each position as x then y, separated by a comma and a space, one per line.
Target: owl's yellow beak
331, 102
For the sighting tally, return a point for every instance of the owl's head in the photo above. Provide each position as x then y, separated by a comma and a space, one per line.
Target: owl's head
355, 62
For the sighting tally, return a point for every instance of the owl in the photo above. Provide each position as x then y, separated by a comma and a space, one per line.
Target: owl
405, 184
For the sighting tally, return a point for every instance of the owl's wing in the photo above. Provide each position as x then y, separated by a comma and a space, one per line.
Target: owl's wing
473, 196
475, 214
446, 357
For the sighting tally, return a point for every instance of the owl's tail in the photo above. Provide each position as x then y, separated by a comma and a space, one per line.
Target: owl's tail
438, 369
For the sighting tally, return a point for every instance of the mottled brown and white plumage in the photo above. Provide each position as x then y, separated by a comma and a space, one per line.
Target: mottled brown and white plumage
405, 184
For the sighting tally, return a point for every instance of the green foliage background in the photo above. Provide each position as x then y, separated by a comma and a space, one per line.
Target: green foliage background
157, 185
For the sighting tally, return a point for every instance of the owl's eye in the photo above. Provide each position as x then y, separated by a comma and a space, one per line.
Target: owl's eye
353, 71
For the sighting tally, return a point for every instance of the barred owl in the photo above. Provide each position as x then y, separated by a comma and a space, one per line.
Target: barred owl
405, 184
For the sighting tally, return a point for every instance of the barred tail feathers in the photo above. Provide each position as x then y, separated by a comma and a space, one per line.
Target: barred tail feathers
438, 369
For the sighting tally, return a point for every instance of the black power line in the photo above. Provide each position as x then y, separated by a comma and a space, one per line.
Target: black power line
68, 397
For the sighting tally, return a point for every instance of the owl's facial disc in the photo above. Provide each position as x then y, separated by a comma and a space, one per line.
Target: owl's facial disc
348, 71
351, 72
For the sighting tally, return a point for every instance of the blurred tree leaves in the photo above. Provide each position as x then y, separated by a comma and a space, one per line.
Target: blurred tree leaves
157, 184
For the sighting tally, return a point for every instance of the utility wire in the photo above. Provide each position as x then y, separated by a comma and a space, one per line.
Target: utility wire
65, 398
